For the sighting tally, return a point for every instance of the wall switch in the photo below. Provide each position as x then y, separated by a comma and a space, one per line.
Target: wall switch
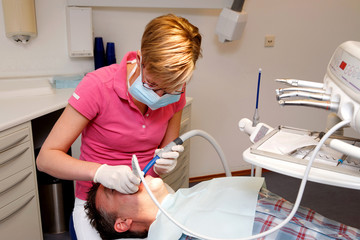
269, 40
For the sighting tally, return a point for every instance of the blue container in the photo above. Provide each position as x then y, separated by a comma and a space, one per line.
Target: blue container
110, 53
99, 53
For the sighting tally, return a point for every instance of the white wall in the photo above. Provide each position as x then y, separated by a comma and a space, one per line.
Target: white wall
46, 54
224, 84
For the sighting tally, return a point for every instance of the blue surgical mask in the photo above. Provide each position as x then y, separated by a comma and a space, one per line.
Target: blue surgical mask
149, 97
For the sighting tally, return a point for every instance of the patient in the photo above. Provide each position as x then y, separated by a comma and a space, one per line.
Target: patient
117, 215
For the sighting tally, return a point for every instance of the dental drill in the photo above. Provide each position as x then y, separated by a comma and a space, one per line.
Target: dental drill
300, 83
327, 105
301, 89
298, 93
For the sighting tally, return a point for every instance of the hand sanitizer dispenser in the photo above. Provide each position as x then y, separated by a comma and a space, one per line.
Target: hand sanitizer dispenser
20, 20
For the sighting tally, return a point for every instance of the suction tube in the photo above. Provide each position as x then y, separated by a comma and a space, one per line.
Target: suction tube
290, 216
185, 137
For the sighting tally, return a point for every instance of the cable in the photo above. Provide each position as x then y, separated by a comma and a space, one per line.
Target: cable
290, 216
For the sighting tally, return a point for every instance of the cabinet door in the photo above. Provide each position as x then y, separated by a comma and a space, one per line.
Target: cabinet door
19, 206
17, 219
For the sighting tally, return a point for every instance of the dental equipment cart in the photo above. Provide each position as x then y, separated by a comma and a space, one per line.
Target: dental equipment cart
338, 161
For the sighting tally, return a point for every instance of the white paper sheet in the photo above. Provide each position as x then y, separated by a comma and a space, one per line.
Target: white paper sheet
222, 207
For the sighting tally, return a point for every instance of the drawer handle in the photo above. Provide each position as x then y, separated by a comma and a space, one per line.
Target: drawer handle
13, 142
13, 182
3, 161
8, 212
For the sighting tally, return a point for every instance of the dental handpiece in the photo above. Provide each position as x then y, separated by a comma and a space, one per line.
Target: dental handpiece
300, 83
177, 141
332, 106
316, 96
302, 89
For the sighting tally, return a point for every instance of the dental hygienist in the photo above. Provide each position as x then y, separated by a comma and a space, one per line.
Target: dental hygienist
129, 108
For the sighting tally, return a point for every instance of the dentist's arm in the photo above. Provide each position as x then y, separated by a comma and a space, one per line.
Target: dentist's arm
54, 160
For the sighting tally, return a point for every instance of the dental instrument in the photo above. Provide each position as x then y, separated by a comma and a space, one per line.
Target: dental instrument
341, 160
256, 116
302, 89
316, 96
177, 141
327, 105
256, 133
183, 138
300, 83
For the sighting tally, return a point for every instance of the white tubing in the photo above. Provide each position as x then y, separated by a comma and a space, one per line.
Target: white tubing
211, 140
290, 216
345, 148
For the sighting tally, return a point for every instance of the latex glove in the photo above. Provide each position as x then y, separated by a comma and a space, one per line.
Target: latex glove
120, 178
168, 160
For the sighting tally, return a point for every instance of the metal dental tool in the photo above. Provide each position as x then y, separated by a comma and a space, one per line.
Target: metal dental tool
303, 89
300, 83
332, 106
316, 96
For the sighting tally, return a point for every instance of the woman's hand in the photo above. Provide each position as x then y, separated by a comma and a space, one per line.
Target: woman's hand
120, 178
168, 160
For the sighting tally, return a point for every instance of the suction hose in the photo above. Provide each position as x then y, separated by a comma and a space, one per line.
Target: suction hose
185, 137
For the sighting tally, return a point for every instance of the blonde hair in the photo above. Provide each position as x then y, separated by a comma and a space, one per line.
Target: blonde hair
170, 47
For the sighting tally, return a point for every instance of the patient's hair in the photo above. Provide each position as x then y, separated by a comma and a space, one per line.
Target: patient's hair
104, 221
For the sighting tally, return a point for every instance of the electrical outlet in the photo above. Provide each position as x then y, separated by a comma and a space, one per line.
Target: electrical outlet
269, 40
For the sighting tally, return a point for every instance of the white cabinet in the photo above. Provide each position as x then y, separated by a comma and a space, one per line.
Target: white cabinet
19, 202
179, 177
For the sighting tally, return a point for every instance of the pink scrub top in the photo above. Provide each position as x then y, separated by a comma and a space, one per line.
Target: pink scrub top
117, 129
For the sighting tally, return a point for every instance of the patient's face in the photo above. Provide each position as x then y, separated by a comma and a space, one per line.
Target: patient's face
128, 205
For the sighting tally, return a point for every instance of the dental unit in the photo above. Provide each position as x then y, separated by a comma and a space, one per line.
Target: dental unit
340, 94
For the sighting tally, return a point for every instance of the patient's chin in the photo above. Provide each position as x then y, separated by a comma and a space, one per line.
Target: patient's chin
155, 183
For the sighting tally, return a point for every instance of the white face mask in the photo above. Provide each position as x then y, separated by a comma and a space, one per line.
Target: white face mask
148, 96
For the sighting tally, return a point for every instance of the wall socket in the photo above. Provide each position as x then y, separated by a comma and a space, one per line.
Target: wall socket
269, 41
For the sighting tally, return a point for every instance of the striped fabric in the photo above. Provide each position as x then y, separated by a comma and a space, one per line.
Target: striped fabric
271, 210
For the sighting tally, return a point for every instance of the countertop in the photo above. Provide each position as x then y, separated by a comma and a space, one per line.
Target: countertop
17, 110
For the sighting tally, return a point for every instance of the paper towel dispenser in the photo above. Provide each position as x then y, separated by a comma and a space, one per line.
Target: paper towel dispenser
20, 19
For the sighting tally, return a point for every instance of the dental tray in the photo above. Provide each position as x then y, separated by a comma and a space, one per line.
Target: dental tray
297, 146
